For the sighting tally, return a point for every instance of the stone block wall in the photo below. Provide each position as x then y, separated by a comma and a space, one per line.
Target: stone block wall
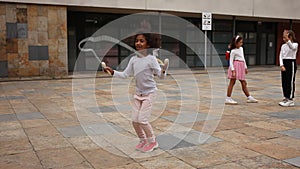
33, 40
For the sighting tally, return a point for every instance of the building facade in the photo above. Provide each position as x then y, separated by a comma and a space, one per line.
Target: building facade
41, 38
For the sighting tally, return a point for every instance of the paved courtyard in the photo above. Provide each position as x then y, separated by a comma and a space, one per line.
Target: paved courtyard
83, 122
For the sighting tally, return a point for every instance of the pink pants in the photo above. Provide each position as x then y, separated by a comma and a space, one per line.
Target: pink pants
142, 108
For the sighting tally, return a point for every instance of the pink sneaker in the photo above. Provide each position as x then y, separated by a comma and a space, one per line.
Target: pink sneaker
150, 147
141, 145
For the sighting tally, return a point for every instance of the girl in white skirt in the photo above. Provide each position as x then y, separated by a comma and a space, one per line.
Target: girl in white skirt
237, 70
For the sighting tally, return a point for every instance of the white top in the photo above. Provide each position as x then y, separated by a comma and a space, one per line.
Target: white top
143, 69
288, 51
237, 54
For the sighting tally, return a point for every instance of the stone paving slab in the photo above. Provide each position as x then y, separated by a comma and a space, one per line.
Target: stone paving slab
60, 158
34, 123
46, 137
230, 150
267, 125
190, 117
10, 135
72, 131
259, 133
292, 133
15, 146
290, 115
287, 141
101, 129
30, 116
196, 137
230, 165
167, 163
273, 150
12, 98
294, 161
20, 161
84, 143
265, 162
7, 117
169, 142
234, 137
10, 125
103, 109
198, 157
103, 159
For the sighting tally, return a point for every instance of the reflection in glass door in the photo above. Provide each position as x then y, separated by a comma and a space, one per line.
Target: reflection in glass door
263, 49
249, 46
267, 49
271, 49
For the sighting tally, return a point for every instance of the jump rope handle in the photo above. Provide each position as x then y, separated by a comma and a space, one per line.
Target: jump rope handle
104, 66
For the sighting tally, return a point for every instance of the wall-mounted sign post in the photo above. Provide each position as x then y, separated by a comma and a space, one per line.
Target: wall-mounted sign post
206, 25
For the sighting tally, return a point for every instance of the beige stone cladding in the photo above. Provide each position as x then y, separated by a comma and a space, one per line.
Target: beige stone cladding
33, 39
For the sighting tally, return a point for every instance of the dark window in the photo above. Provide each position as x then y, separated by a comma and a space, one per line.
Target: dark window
38, 53
221, 37
246, 26
3, 69
11, 30
222, 25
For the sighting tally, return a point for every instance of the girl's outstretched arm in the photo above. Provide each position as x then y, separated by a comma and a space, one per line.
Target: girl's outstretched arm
127, 72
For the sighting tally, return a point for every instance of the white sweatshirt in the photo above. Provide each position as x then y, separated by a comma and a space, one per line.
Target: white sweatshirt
288, 51
237, 54
143, 68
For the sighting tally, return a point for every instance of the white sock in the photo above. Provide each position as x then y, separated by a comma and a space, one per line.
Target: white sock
151, 139
142, 139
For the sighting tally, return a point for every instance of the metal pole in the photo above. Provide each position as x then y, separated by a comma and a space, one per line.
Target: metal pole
233, 25
159, 29
291, 24
159, 22
205, 48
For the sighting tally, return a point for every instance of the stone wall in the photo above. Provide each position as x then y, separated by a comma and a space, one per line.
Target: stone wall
33, 40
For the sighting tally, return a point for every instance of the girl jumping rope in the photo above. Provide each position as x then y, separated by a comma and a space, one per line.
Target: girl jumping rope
237, 70
287, 58
143, 66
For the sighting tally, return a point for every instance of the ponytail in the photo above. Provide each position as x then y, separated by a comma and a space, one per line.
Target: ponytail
291, 35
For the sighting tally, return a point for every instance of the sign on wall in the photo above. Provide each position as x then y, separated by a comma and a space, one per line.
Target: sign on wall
206, 20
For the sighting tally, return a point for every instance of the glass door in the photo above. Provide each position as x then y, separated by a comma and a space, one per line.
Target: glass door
267, 49
249, 46
248, 30
263, 49
271, 55
266, 45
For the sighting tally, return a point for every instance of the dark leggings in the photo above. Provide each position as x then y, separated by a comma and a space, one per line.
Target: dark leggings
288, 78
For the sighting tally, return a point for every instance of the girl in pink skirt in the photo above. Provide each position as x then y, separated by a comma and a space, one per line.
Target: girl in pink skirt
237, 70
